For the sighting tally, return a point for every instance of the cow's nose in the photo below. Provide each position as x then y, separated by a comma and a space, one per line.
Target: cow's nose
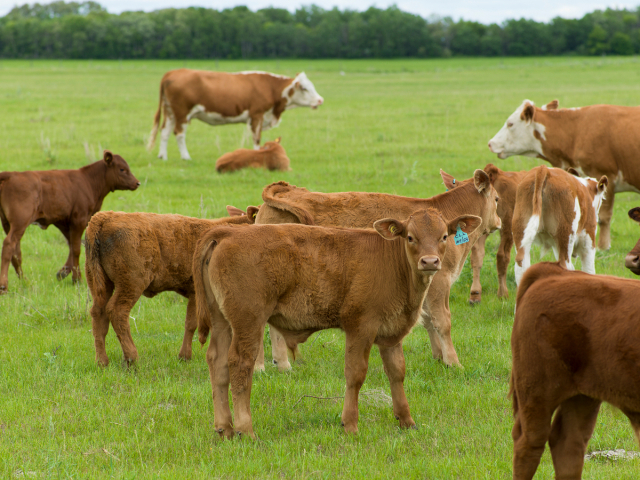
138, 184
429, 263
320, 101
489, 145
632, 261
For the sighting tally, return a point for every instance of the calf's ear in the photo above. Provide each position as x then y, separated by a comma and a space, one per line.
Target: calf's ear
634, 214
390, 228
573, 172
448, 180
602, 183
493, 172
277, 140
108, 157
234, 212
552, 105
467, 223
482, 181
527, 112
252, 212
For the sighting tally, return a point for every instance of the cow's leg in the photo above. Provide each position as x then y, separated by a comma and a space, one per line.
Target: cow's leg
279, 350
437, 304
425, 319
394, 367
167, 127
477, 258
571, 430
523, 255
530, 434
218, 362
587, 254
100, 318
256, 130
634, 418
75, 246
503, 258
66, 268
259, 365
118, 309
356, 362
181, 139
190, 325
10, 245
564, 249
16, 259
604, 217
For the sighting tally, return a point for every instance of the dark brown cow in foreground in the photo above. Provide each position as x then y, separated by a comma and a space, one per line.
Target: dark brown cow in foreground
135, 254
217, 98
596, 140
506, 184
286, 203
64, 198
303, 279
632, 260
575, 344
271, 156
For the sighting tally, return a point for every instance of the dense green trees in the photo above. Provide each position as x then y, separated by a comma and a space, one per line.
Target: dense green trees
87, 30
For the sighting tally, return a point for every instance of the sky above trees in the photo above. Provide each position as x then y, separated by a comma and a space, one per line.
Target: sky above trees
484, 11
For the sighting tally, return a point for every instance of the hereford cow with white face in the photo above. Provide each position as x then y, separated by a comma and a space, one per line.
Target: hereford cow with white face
596, 140
217, 98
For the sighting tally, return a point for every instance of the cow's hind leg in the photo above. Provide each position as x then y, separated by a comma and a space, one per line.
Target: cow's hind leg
181, 139
604, 217
100, 319
16, 259
530, 434
477, 258
190, 325
503, 258
394, 367
279, 350
10, 245
437, 304
571, 430
167, 127
118, 309
218, 363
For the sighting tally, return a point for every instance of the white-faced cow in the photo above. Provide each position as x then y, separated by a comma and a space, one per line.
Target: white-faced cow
217, 98
596, 140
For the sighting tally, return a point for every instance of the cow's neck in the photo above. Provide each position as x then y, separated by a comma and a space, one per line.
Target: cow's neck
96, 174
418, 283
559, 135
280, 88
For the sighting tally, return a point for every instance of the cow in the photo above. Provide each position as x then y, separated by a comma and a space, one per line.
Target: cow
64, 198
632, 260
302, 279
271, 156
133, 254
506, 184
596, 140
575, 344
217, 98
559, 211
284, 203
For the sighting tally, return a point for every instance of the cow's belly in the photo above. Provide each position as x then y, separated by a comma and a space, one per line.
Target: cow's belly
214, 118
621, 184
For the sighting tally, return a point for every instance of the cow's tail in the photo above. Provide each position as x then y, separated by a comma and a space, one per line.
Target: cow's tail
273, 196
541, 180
95, 274
201, 258
513, 395
3, 177
156, 120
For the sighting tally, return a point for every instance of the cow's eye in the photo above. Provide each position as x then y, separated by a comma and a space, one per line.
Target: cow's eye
509, 125
444, 239
410, 238
497, 198
122, 170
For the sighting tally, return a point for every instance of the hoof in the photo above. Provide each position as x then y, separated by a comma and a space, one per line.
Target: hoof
283, 367
3, 290
473, 302
184, 357
63, 273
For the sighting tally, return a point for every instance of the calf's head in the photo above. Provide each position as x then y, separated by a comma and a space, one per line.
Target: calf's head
119, 176
521, 134
273, 144
632, 260
302, 93
425, 236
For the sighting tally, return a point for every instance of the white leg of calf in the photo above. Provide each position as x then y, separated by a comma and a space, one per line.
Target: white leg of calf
588, 257
164, 139
181, 139
526, 263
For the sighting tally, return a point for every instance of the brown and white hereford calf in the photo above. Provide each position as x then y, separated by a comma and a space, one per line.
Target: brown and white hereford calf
135, 254
559, 211
302, 279
270, 156
506, 184
286, 203
575, 344
64, 198
632, 260
217, 98
596, 140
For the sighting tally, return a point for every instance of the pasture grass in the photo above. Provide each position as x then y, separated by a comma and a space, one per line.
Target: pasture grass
386, 126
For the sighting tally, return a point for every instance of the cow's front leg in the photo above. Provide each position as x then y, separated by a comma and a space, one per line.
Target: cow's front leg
66, 268
477, 259
181, 140
256, 131
604, 217
394, 367
437, 304
75, 246
167, 127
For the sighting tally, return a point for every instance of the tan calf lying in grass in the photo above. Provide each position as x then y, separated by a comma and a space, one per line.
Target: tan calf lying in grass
575, 344
286, 203
303, 279
135, 254
270, 156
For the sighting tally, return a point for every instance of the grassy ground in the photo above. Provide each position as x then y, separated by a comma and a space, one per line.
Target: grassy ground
386, 126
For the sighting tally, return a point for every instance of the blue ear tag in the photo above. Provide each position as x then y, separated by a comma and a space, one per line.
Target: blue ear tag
461, 237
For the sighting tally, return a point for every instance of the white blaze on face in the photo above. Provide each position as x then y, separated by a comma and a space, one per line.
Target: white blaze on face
304, 93
517, 137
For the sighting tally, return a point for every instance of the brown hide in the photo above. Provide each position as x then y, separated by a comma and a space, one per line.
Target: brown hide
286, 203
575, 343
64, 198
271, 156
134, 254
302, 279
632, 260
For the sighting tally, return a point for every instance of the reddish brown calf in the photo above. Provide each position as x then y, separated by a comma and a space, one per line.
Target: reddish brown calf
632, 260
271, 156
575, 344
64, 198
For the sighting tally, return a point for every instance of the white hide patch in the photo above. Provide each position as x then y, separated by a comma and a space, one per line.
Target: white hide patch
269, 120
259, 72
214, 118
516, 137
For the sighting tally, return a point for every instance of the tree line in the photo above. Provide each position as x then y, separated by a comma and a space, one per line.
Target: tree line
87, 30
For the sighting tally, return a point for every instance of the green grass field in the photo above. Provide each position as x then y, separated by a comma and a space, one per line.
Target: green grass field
386, 126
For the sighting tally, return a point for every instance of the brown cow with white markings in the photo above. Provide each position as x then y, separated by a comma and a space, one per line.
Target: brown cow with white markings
271, 156
256, 98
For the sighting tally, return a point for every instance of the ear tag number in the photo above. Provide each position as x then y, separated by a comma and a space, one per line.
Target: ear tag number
461, 237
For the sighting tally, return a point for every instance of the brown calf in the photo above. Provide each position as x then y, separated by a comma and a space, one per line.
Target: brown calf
271, 156
303, 279
133, 254
575, 344
632, 260
285, 203
64, 198
506, 184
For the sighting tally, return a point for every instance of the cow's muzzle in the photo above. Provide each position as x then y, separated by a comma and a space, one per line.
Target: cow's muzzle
429, 263
632, 262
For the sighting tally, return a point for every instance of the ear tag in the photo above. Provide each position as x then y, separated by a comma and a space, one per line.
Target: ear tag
460, 237
392, 229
